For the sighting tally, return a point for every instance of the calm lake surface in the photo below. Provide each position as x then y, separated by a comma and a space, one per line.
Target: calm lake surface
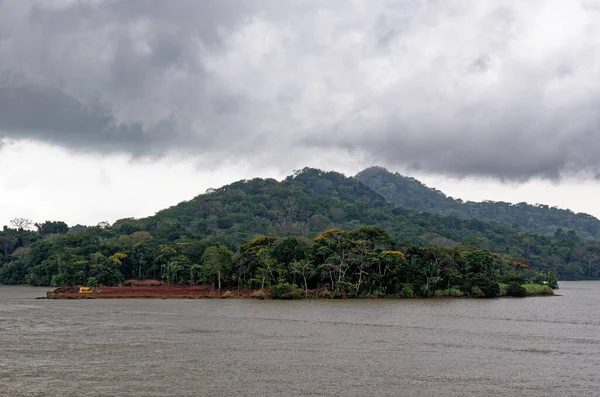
504, 347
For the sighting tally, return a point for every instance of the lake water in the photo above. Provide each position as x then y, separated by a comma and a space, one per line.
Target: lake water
547, 346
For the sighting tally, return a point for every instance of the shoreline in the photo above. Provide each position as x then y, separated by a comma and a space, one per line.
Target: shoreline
206, 292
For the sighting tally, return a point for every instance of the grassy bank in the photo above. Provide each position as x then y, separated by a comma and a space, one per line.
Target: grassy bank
529, 290
537, 289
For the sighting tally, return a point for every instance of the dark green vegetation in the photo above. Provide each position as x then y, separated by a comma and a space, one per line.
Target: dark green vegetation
205, 240
336, 264
408, 192
366, 262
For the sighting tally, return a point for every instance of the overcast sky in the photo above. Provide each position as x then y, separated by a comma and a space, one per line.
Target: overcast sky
118, 108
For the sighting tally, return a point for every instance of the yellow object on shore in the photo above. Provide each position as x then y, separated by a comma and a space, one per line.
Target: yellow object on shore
85, 290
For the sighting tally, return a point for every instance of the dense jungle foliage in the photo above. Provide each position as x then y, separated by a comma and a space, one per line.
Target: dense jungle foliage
188, 243
409, 193
337, 263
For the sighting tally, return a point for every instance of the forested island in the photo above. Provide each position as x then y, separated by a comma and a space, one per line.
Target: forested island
337, 264
313, 231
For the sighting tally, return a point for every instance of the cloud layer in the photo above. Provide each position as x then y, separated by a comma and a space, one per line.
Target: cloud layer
454, 87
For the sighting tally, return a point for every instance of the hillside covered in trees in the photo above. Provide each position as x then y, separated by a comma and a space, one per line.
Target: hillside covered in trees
196, 235
403, 191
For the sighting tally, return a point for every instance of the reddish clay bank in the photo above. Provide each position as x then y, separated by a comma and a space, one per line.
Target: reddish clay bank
144, 292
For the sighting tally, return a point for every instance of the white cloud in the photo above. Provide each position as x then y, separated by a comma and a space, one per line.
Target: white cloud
42, 182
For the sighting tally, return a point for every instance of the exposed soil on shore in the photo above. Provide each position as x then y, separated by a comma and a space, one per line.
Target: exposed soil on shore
146, 292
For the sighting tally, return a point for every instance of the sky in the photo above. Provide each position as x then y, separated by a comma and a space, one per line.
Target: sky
119, 108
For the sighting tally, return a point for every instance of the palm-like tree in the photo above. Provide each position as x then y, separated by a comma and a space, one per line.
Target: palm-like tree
171, 271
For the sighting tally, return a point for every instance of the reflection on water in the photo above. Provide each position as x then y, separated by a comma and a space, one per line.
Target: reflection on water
547, 346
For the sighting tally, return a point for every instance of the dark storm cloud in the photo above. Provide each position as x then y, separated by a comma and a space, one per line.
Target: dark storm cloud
453, 87
50, 115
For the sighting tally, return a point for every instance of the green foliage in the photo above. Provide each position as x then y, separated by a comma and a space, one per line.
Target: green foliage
345, 289
490, 289
196, 274
322, 294
537, 289
92, 282
539, 278
52, 227
514, 277
477, 292
407, 290
539, 219
286, 291
171, 271
552, 280
454, 292
503, 289
545, 279
59, 280
217, 263
337, 263
515, 289
13, 273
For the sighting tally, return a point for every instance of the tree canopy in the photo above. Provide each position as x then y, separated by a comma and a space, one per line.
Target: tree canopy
541, 219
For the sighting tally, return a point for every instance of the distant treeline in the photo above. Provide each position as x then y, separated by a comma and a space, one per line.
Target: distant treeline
407, 192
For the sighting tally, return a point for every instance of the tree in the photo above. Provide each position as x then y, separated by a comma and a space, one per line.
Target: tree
166, 254
105, 270
336, 245
249, 260
170, 271
217, 262
21, 223
135, 238
431, 273
117, 258
390, 269
491, 289
178, 270
591, 257
103, 225
52, 227
196, 272
145, 253
373, 238
515, 289
305, 269
552, 280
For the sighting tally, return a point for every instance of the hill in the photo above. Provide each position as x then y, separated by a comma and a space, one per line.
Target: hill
311, 201
408, 192
302, 206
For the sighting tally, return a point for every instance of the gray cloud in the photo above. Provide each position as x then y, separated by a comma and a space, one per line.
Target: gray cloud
497, 88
